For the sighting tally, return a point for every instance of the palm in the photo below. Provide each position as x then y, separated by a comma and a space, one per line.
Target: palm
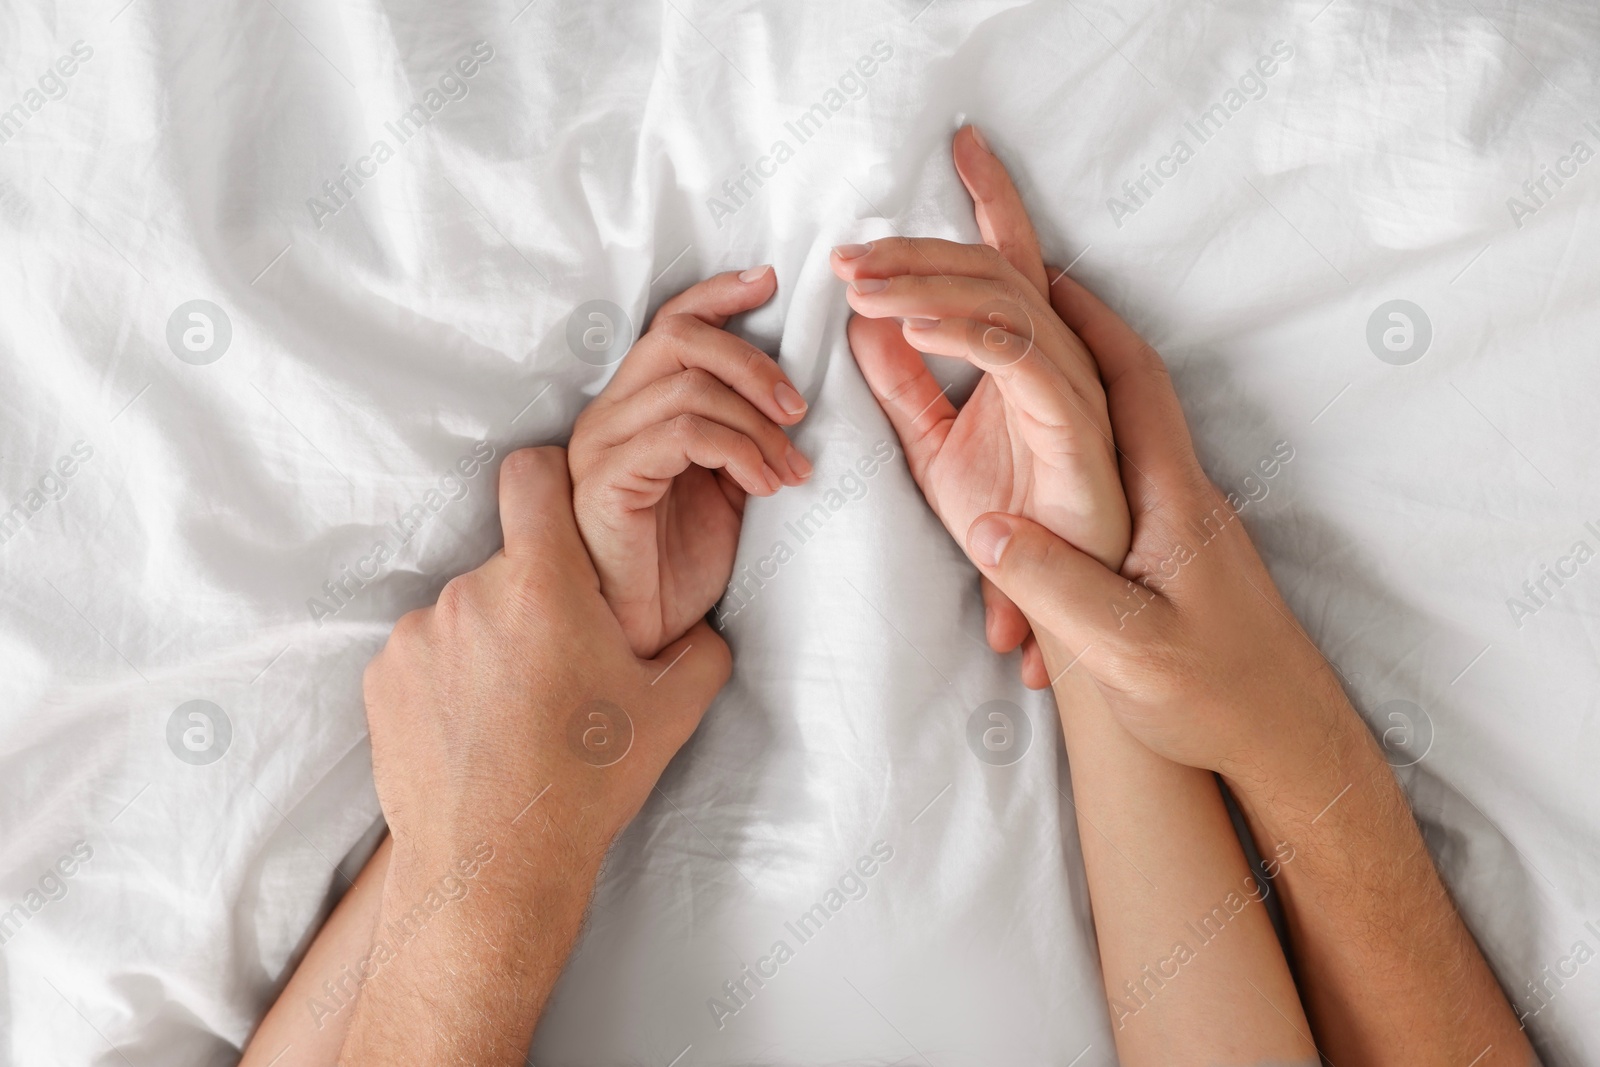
998, 457
690, 557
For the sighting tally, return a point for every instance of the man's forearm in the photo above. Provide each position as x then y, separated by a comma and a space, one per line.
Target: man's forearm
463, 981
1388, 972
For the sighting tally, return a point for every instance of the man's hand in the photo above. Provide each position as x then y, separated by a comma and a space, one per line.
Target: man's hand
1196, 651
511, 720
663, 458
1034, 437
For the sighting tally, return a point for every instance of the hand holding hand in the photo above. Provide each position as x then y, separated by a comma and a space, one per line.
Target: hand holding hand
514, 684
1193, 646
1034, 438
663, 458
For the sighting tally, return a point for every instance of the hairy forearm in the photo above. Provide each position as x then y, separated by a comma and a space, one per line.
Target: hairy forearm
1193, 970
463, 981
1388, 971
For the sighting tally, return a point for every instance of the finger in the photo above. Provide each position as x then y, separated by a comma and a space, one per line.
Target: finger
965, 312
684, 677
1062, 590
697, 392
1004, 624
681, 342
1034, 673
721, 296
936, 296
929, 256
1031, 369
641, 470
536, 506
910, 396
1146, 418
1002, 220
1044, 371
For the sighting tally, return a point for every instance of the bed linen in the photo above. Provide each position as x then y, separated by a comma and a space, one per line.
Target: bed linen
284, 280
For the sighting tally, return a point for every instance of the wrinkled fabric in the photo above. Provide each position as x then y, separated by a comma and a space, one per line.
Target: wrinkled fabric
195, 494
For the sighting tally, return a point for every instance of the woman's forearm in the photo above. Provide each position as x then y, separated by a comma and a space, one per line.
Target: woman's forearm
308, 1023
1192, 967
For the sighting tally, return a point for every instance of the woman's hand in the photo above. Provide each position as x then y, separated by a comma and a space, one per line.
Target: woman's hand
1034, 439
663, 458
1201, 660
1194, 648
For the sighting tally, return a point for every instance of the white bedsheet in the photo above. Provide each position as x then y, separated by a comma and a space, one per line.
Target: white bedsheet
178, 518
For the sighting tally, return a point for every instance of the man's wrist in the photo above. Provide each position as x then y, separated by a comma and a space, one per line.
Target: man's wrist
1299, 769
530, 862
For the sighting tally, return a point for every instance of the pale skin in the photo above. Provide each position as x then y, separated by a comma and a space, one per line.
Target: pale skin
1034, 439
1209, 675
1210, 670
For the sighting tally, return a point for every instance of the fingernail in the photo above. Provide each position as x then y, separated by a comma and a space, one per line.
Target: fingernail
798, 463
983, 142
988, 539
851, 251
922, 324
755, 274
774, 483
790, 401
869, 285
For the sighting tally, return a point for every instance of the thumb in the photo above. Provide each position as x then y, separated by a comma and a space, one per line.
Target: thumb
1068, 593
685, 677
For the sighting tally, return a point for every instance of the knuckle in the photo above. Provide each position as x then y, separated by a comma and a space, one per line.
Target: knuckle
1009, 290
690, 385
750, 452
455, 600
1037, 555
894, 245
407, 631
993, 256
675, 327
685, 427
